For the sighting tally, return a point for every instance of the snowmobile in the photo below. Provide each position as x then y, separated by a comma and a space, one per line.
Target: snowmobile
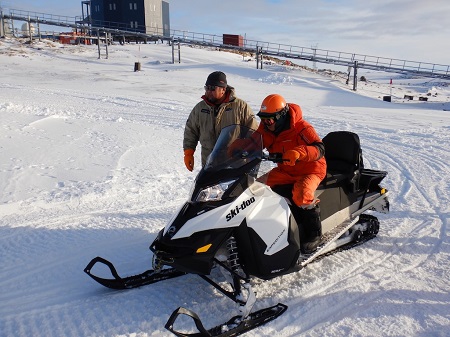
243, 229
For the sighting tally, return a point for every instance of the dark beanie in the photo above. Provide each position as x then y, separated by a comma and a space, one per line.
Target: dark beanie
217, 78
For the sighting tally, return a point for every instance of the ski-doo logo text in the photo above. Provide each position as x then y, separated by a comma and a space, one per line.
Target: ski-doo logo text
241, 207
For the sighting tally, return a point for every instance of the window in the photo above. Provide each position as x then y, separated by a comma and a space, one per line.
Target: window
133, 6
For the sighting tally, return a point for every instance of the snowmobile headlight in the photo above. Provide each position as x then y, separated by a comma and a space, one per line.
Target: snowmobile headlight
214, 193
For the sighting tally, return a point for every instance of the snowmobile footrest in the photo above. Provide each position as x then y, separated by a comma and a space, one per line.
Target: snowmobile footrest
147, 277
234, 327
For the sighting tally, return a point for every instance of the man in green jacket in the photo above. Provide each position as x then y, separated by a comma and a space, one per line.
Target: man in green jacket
218, 108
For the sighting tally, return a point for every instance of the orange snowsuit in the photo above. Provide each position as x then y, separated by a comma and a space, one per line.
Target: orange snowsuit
306, 174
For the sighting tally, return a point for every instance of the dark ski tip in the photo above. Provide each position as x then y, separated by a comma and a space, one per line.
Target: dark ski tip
135, 281
233, 327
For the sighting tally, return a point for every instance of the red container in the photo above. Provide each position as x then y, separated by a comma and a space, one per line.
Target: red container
233, 40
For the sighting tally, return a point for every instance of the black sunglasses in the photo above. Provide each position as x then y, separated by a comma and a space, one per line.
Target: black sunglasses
268, 120
211, 87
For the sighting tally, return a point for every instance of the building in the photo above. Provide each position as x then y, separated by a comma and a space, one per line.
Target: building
143, 16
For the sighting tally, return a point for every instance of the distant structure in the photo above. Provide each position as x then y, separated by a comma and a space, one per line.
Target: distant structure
28, 29
142, 16
233, 40
149, 21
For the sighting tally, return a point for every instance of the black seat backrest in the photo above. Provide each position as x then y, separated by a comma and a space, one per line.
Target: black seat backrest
343, 155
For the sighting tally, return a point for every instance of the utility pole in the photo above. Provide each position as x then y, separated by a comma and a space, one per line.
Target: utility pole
355, 77
29, 30
314, 48
107, 43
2, 23
98, 44
259, 57
172, 40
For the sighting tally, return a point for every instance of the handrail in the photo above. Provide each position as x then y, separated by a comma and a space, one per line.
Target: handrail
263, 47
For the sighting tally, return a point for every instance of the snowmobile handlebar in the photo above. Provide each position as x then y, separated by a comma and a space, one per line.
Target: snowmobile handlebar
276, 157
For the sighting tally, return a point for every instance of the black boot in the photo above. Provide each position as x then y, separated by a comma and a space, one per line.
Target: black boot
311, 229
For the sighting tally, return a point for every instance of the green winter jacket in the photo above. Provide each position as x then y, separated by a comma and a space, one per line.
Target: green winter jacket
207, 120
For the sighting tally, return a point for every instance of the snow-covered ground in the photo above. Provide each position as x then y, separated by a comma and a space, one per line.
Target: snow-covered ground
92, 164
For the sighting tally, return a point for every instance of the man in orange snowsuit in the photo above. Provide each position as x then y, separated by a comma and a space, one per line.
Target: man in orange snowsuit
285, 131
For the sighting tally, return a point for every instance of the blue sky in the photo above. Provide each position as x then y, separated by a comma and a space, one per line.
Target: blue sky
414, 30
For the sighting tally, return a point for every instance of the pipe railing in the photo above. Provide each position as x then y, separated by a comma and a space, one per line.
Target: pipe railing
262, 47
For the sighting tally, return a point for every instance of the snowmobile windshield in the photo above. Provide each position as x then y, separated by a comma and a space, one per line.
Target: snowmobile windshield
236, 146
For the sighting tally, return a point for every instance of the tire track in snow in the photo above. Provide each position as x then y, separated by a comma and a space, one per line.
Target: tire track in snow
414, 197
103, 312
81, 238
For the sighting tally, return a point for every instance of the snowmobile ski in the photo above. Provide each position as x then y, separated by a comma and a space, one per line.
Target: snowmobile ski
233, 327
135, 281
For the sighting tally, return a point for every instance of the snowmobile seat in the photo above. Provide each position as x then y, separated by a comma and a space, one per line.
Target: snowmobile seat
344, 159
